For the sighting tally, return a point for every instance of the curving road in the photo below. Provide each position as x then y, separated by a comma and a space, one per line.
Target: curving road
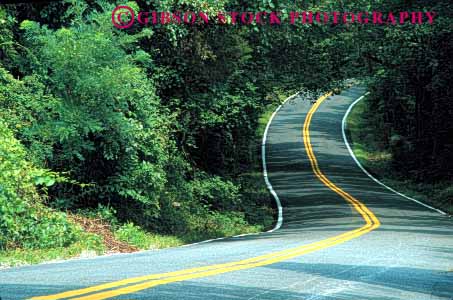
343, 236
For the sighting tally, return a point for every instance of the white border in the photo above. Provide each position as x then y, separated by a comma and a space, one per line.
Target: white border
265, 174
343, 129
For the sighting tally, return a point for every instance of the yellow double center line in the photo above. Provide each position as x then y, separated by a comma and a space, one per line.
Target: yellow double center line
132, 285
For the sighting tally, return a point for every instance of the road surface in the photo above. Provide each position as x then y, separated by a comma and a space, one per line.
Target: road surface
343, 236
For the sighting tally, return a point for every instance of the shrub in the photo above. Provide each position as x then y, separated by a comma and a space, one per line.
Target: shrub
136, 236
24, 221
211, 224
105, 125
216, 193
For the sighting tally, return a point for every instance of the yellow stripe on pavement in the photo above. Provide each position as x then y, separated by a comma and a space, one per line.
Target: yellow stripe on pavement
132, 285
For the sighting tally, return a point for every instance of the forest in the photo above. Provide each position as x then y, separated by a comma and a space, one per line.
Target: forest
154, 132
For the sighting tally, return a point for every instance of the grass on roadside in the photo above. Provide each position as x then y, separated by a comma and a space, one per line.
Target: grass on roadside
89, 245
137, 237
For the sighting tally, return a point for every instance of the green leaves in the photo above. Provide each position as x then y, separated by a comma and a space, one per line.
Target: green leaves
216, 193
24, 221
107, 124
45, 180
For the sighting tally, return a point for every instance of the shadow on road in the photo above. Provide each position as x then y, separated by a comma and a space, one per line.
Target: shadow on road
430, 282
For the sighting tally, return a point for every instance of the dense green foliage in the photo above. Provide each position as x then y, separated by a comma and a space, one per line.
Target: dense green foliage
160, 123
410, 108
24, 221
411, 95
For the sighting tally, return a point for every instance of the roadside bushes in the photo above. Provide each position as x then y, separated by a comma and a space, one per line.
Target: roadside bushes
215, 193
102, 124
106, 126
24, 221
136, 236
132, 124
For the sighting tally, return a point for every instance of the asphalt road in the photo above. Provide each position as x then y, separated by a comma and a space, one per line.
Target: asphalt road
326, 248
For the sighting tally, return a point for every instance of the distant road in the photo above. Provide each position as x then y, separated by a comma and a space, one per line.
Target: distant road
343, 236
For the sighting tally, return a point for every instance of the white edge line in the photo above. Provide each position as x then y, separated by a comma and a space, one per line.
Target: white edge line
343, 129
265, 174
266, 179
